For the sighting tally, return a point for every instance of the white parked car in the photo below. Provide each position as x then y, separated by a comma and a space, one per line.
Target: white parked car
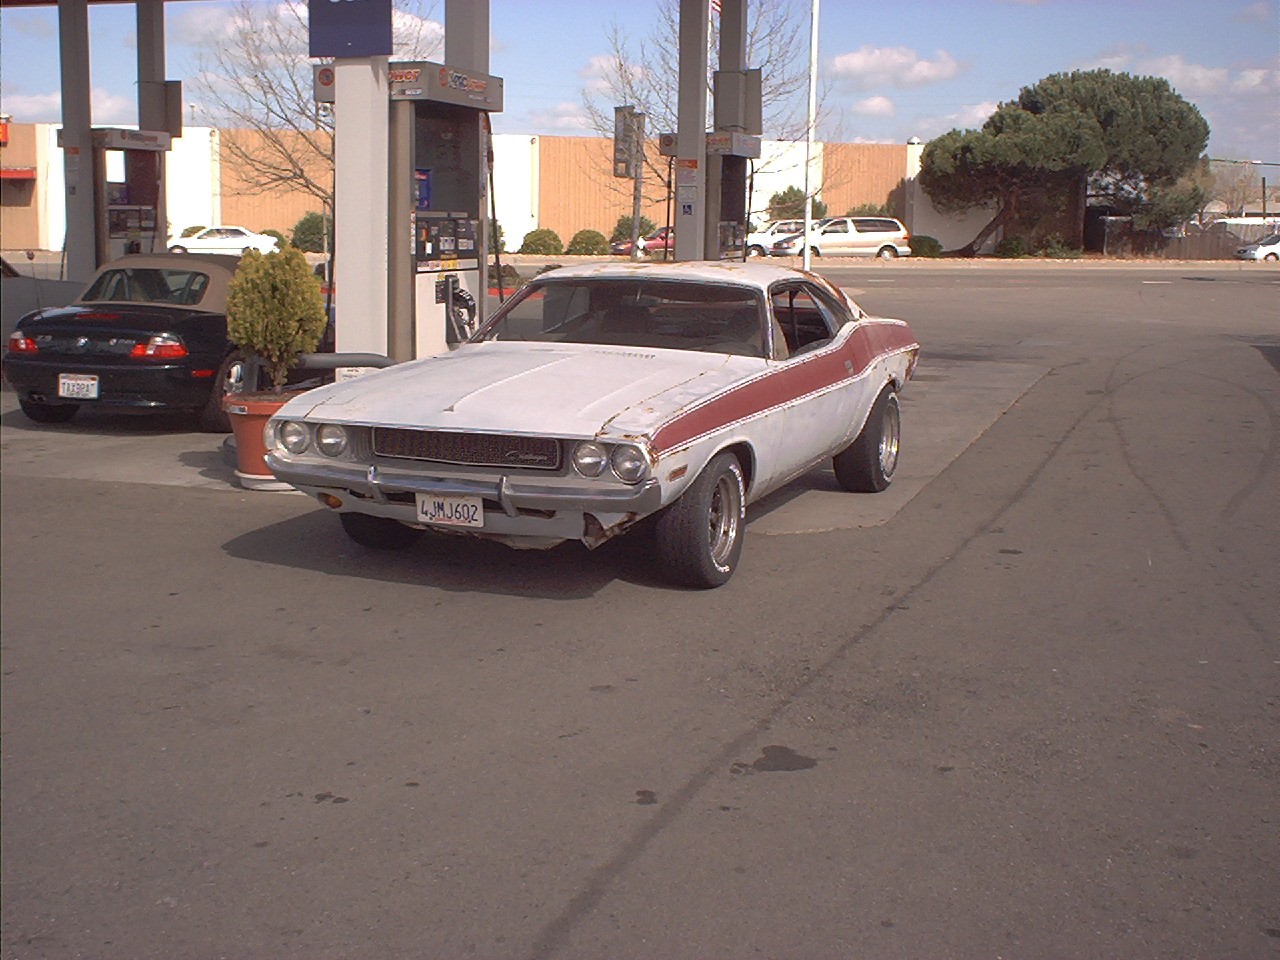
235, 240
1268, 248
761, 241
604, 396
882, 237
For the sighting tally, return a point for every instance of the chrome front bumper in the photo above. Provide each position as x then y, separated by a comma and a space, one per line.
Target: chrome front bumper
554, 493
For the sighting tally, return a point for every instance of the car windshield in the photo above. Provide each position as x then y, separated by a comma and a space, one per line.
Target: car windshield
674, 314
179, 288
1268, 241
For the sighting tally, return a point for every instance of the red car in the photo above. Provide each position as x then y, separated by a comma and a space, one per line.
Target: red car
664, 238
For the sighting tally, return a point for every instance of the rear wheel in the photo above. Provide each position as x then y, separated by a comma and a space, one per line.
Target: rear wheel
48, 412
699, 537
212, 418
755, 250
888, 253
177, 249
868, 464
379, 533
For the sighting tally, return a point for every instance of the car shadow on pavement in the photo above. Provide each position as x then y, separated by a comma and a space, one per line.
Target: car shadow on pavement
315, 541
89, 422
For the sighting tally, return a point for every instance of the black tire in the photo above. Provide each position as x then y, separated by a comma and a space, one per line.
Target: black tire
177, 249
1272, 256
379, 533
868, 464
48, 412
699, 537
888, 253
755, 250
211, 418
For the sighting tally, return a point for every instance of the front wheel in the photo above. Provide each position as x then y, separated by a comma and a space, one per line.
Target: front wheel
755, 250
48, 412
1272, 256
177, 249
699, 537
868, 464
379, 533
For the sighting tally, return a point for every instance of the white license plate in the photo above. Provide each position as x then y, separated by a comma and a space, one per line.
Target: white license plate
78, 386
450, 511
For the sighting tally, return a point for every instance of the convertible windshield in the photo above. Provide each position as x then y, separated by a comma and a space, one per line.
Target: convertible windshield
179, 288
673, 314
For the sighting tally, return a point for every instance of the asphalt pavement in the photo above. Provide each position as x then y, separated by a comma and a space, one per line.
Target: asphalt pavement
1023, 704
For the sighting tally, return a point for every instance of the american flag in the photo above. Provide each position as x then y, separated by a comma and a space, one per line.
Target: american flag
715, 6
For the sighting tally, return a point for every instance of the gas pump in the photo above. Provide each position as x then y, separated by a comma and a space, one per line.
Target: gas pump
128, 167
727, 207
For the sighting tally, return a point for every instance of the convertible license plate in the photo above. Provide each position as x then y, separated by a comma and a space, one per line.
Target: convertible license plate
78, 386
451, 511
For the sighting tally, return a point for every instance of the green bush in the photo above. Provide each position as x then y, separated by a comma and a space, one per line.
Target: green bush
497, 244
192, 231
1012, 248
308, 233
587, 243
542, 241
622, 230
549, 266
280, 237
788, 204
510, 277
1055, 248
275, 310
925, 247
869, 210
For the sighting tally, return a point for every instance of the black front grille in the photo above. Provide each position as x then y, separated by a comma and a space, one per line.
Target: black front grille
470, 449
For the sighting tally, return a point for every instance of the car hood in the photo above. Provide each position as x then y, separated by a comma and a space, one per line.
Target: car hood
565, 390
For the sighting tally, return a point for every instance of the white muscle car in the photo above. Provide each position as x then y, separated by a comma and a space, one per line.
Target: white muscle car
604, 395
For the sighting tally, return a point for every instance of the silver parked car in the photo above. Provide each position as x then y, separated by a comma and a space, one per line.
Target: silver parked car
882, 237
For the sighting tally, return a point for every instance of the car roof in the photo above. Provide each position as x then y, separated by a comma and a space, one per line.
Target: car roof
219, 267
749, 273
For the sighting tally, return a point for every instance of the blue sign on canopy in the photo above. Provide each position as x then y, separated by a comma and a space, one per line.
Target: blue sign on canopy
349, 28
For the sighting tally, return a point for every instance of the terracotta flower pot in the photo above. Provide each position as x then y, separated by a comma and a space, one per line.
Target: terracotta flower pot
249, 413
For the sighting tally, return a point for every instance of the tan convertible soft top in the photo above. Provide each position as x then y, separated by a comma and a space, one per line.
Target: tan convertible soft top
218, 267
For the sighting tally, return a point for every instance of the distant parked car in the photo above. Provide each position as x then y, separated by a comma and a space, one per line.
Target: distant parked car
881, 237
1268, 248
761, 241
236, 240
664, 238
149, 332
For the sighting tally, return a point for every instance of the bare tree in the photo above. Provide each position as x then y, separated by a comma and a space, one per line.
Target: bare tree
255, 84
644, 71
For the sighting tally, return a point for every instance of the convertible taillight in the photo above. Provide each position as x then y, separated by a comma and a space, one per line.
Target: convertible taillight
165, 346
22, 344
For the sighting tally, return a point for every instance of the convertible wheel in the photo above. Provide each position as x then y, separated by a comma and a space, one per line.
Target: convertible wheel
48, 412
867, 465
699, 537
212, 418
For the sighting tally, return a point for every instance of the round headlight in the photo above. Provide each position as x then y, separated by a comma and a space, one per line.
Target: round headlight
590, 458
294, 436
331, 439
629, 463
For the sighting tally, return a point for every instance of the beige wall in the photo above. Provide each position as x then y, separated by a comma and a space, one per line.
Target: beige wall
20, 200
858, 173
577, 189
277, 209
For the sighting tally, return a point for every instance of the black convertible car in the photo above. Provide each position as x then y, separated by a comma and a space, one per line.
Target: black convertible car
149, 332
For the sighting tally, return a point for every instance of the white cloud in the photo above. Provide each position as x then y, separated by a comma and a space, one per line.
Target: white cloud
968, 117
874, 107
562, 118
1259, 12
32, 25
1189, 79
107, 108
869, 67
602, 70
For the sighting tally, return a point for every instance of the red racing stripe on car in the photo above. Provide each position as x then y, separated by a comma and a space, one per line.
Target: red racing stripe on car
787, 383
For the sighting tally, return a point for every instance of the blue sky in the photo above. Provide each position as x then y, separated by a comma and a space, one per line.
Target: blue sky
891, 70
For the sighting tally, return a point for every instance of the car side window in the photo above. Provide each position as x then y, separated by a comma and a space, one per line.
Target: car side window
838, 226
806, 323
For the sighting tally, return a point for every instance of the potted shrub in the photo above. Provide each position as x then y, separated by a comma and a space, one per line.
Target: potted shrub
275, 312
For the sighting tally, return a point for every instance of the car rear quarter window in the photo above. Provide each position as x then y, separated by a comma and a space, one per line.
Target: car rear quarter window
878, 226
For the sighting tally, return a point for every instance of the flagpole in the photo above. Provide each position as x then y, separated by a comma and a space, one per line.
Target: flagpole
808, 137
